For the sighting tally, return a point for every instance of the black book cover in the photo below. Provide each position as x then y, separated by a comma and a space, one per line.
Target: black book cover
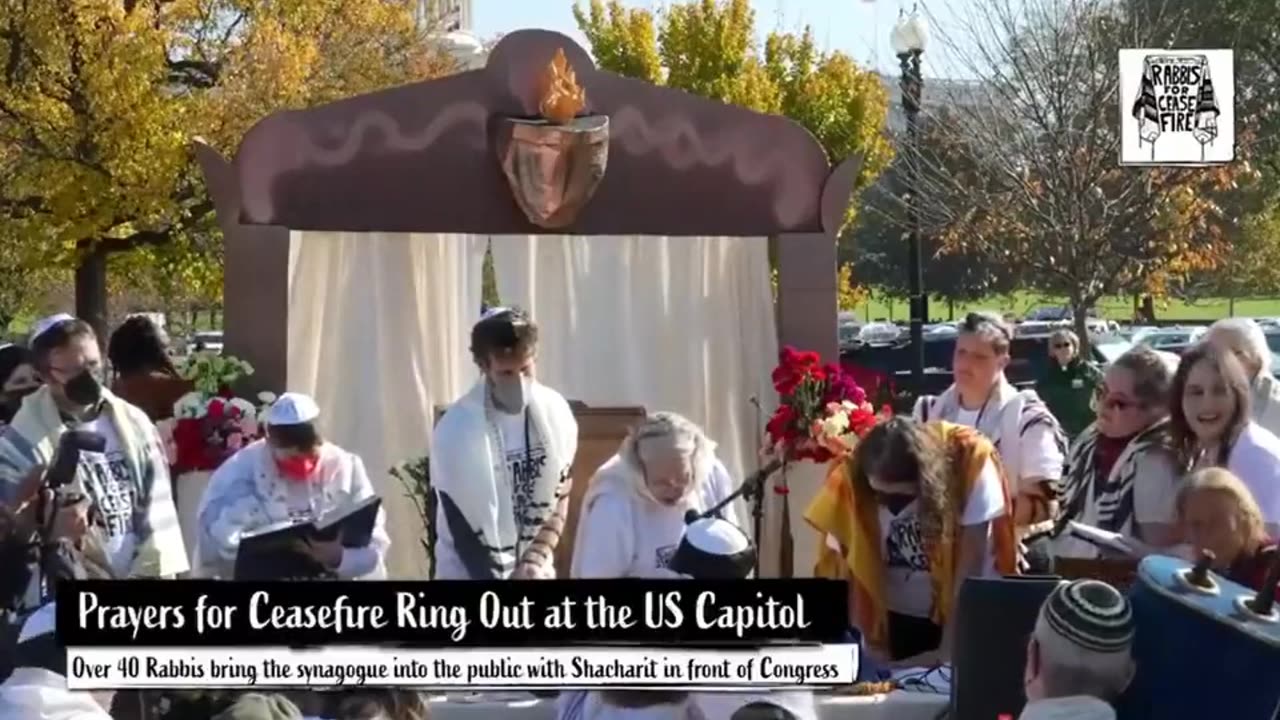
285, 550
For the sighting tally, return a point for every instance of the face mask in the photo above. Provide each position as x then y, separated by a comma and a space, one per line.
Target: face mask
298, 468
84, 389
896, 502
510, 394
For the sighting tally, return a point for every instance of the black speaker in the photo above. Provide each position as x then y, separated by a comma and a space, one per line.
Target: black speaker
994, 621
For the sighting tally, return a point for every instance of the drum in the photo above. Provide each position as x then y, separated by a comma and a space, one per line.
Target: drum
1200, 652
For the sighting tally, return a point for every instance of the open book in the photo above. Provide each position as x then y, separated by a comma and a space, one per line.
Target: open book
282, 550
1111, 542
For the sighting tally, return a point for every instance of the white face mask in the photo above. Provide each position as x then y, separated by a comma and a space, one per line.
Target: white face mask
510, 393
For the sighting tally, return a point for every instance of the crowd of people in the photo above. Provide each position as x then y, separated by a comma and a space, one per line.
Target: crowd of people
978, 481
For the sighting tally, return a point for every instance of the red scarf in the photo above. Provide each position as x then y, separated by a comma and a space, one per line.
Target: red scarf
1106, 453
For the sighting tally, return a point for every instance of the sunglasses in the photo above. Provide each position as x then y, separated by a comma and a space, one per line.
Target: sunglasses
1102, 400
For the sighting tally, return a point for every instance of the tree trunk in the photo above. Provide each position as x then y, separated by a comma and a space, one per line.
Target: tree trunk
91, 291
1080, 318
951, 310
1148, 308
1231, 306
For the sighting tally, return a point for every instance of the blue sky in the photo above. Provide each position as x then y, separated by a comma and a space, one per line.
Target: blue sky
857, 27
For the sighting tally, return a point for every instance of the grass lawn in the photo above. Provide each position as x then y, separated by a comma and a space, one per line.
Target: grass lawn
1120, 309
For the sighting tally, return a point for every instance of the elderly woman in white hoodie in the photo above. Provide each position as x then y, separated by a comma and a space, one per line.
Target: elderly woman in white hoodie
1244, 338
632, 515
632, 520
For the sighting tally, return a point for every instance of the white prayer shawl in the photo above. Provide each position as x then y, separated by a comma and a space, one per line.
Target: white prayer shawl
1266, 402
1004, 419
247, 493
475, 539
38, 694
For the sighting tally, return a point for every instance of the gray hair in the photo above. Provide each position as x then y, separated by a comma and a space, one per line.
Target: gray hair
1244, 336
1067, 670
990, 327
675, 432
1152, 376
1064, 334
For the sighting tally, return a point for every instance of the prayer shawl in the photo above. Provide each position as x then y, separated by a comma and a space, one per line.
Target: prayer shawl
1108, 503
1146, 108
32, 439
1266, 401
37, 694
1005, 419
246, 493
476, 539
852, 517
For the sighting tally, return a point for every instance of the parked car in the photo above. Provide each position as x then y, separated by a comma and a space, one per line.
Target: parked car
1171, 339
209, 341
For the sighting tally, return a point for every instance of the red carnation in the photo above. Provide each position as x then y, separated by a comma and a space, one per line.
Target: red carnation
215, 410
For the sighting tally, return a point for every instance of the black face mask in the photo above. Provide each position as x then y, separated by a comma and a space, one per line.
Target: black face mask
896, 502
84, 389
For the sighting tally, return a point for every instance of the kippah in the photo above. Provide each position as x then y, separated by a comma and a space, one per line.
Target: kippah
1092, 615
46, 324
293, 409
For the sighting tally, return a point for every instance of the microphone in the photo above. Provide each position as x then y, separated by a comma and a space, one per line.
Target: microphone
67, 457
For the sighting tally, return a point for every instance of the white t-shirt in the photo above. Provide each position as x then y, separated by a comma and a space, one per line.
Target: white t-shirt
113, 490
625, 535
1255, 459
908, 588
968, 417
521, 471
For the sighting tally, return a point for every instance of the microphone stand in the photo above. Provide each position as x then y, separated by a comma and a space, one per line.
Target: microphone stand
751, 490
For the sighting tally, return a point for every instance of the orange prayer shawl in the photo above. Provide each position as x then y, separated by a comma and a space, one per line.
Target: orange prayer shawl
853, 519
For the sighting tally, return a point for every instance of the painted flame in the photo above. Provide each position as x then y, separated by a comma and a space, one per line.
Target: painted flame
562, 97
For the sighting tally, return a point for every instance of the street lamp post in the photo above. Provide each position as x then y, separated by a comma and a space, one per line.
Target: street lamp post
908, 39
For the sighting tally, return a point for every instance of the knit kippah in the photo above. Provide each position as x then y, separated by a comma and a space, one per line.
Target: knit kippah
1092, 615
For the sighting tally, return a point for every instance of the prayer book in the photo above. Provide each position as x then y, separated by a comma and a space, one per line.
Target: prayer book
284, 550
1111, 542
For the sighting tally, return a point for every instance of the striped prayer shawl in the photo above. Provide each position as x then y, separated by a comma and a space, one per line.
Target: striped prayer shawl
1107, 503
32, 439
1146, 108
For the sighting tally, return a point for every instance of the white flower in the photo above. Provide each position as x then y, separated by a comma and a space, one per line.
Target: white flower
835, 425
190, 406
266, 397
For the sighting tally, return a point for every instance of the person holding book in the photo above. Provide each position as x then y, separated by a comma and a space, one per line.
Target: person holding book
500, 461
292, 479
1122, 472
1217, 513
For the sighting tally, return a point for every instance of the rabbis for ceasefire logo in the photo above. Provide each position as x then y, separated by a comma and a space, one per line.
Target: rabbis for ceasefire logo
1177, 107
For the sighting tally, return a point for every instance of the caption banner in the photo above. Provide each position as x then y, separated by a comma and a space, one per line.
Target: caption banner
565, 668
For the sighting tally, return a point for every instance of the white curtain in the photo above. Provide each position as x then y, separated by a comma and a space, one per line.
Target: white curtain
669, 323
379, 325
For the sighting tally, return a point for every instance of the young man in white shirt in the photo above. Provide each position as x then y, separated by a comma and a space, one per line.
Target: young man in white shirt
125, 490
500, 461
1028, 438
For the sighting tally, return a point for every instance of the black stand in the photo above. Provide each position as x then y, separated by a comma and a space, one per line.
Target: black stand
751, 490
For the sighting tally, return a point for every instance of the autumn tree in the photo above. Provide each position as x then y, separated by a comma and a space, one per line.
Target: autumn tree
1043, 193
709, 48
877, 243
100, 100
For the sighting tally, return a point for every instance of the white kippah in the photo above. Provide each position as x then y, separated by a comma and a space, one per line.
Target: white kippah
293, 409
716, 536
41, 622
494, 312
42, 326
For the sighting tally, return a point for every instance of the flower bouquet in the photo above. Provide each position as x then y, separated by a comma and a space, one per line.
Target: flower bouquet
823, 411
211, 422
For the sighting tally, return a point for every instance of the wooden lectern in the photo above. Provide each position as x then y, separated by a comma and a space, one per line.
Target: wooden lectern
601, 431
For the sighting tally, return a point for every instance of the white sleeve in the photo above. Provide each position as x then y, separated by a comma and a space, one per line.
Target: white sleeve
222, 516
359, 562
606, 542
1155, 491
986, 503
448, 566
1040, 455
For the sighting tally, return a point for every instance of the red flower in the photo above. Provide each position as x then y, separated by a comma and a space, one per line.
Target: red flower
215, 410
188, 437
779, 426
